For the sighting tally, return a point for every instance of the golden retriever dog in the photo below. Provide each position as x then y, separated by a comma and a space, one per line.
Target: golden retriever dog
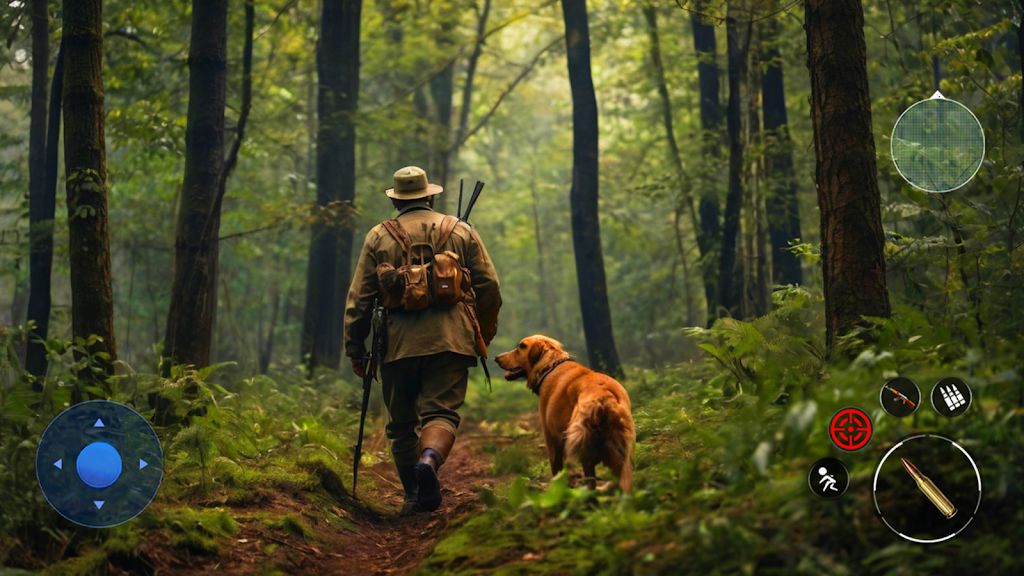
584, 415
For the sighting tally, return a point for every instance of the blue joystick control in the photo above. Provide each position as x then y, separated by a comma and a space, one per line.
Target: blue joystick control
99, 465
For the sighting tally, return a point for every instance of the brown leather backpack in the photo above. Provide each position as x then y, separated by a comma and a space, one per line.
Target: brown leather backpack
428, 276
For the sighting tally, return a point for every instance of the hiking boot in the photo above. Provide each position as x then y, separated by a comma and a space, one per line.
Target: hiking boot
407, 475
436, 443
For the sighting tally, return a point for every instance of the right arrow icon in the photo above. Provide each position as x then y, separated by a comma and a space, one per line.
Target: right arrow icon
142, 464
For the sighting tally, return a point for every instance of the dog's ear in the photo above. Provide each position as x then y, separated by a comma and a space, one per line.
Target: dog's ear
536, 351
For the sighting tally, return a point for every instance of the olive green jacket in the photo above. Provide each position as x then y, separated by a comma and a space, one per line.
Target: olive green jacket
434, 329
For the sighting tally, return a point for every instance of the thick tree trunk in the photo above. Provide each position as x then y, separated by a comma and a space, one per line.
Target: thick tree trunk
41, 205
727, 294
196, 250
583, 199
85, 167
782, 202
330, 250
710, 121
852, 239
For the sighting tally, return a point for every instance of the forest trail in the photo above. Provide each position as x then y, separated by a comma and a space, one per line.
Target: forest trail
372, 545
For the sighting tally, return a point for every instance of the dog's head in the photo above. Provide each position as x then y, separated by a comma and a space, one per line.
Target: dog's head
533, 354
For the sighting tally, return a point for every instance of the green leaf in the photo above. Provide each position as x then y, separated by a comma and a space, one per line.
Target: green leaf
517, 492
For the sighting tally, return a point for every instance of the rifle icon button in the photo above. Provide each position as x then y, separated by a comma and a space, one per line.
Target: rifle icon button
900, 397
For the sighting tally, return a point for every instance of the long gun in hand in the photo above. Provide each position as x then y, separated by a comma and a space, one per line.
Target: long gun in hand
370, 363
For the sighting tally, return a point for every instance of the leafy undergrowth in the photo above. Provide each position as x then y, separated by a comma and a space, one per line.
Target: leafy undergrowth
723, 451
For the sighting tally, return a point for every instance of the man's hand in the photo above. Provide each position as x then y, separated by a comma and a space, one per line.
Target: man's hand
357, 367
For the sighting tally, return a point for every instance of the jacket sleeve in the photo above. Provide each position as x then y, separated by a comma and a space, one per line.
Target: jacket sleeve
485, 286
359, 304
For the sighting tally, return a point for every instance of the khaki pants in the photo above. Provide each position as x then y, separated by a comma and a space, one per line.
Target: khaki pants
420, 392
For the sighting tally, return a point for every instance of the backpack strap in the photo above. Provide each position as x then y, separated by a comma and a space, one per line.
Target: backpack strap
398, 233
448, 225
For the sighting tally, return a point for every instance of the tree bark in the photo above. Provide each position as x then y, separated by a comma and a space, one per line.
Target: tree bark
727, 297
267, 345
1020, 53
330, 250
41, 204
683, 201
467, 88
710, 121
85, 166
441, 92
852, 239
583, 199
782, 202
194, 286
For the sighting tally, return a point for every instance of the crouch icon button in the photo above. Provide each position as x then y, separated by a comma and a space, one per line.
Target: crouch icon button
828, 478
850, 429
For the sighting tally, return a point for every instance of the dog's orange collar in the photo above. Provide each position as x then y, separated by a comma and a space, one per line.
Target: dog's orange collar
536, 389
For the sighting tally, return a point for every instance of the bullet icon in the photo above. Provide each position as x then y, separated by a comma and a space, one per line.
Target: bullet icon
951, 397
930, 490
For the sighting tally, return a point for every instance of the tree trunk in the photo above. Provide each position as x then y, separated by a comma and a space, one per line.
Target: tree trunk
85, 166
782, 201
710, 120
1020, 52
682, 200
267, 345
442, 88
852, 239
41, 205
467, 88
583, 199
194, 287
330, 250
547, 311
727, 294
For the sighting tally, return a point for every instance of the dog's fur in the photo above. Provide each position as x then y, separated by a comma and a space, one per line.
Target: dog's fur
584, 415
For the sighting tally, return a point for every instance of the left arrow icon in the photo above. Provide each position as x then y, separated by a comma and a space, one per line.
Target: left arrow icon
59, 464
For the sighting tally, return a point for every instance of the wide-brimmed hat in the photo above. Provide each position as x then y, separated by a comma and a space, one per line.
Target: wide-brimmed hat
411, 183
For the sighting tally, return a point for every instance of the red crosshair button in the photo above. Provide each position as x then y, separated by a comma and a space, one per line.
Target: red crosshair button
850, 429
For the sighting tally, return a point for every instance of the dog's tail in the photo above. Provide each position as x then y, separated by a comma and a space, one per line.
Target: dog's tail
601, 429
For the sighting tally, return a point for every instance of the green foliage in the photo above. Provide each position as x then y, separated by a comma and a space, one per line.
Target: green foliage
721, 478
199, 531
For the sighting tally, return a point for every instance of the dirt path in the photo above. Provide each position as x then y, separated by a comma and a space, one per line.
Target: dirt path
376, 545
